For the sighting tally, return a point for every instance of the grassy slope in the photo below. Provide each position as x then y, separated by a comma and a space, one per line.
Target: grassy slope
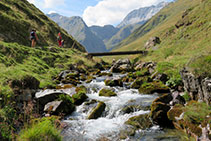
178, 44
17, 61
18, 17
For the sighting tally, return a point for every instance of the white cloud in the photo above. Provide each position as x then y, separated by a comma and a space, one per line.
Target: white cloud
31, 1
113, 11
53, 3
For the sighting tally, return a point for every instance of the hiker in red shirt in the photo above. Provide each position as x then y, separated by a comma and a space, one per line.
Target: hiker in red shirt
59, 39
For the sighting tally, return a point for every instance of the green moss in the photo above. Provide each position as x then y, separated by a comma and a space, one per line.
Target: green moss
156, 86
97, 111
107, 93
196, 112
80, 95
176, 111
112, 83
140, 122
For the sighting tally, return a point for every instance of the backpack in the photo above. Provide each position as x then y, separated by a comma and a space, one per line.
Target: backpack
32, 35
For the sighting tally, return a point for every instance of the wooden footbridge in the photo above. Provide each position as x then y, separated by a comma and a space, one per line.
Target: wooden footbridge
117, 53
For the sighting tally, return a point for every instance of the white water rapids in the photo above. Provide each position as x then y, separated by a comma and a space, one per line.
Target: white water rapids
79, 128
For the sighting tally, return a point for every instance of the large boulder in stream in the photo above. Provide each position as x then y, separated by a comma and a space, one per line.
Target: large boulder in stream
46, 96
140, 122
80, 96
153, 87
159, 109
114, 82
97, 111
107, 92
122, 65
59, 107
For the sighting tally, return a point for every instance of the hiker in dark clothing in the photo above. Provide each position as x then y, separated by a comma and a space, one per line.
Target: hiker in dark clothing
33, 38
59, 39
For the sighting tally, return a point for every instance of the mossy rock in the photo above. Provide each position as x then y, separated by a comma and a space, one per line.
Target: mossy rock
90, 78
139, 81
152, 87
82, 77
133, 108
72, 75
71, 81
80, 95
142, 72
66, 86
105, 74
113, 83
81, 89
96, 72
176, 111
107, 92
159, 114
127, 79
165, 98
97, 111
140, 122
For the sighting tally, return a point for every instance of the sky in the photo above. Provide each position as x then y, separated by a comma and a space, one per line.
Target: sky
94, 12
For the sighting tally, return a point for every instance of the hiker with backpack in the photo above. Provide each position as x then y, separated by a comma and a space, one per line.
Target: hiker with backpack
59, 39
33, 38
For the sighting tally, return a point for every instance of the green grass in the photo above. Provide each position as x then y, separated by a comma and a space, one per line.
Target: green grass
41, 131
196, 112
19, 17
201, 66
178, 45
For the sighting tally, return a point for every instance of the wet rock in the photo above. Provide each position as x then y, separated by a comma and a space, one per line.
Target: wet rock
105, 74
140, 122
59, 107
159, 109
121, 65
153, 41
134, 108
99, 66
114, 82
107, 92
80, 95
139, 81
152, 87
97, 111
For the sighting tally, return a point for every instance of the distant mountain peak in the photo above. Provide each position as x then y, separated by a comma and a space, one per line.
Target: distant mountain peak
142, 14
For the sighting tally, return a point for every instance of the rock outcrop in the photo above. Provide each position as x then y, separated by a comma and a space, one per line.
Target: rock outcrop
198, 88
153, 41
121, 65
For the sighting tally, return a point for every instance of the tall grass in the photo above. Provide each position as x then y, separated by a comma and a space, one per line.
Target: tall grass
44, 130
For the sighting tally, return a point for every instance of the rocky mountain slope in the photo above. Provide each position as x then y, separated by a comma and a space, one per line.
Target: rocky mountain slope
141, 15
132, 21
184, 32
19, 17
76, 27
99, 39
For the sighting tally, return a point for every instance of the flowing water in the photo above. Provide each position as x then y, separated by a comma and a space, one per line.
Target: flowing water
111, 123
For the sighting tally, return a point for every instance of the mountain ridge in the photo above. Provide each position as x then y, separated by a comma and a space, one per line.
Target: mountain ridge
76, 27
